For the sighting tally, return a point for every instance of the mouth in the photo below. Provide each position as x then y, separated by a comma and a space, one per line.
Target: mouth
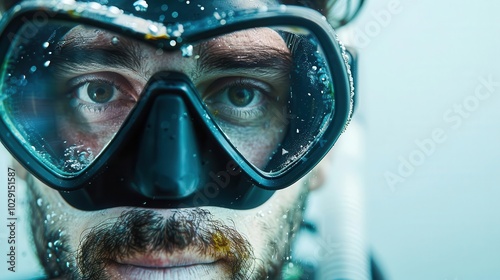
176, 265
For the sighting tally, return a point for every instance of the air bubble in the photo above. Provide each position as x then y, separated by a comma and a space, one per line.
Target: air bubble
115, 41
47, 63
175, 14
141, 5
33, 69
173, 43
39, 202
164, 7
45, 45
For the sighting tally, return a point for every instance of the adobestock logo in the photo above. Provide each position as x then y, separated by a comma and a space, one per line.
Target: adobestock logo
454, 117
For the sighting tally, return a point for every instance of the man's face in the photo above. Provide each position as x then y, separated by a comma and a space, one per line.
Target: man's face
186, 243
194, 243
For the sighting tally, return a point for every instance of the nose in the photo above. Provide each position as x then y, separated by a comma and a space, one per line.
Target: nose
168, 166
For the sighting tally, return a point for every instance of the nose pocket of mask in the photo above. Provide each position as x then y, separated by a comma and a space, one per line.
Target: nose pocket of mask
167, 165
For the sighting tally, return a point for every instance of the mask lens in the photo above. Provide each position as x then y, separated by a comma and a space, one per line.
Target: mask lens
68, 88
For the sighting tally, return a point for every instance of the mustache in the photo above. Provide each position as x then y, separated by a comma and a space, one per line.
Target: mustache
142, 231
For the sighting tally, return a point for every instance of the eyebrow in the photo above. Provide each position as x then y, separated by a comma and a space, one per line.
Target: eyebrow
72, 54
212, 57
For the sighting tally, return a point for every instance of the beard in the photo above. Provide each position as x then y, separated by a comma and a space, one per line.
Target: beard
144, 231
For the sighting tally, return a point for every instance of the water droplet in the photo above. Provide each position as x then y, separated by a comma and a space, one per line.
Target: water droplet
153, 29
95, 6
115, 10
77, 158
175, 30
115, 41
187, 50
141, 5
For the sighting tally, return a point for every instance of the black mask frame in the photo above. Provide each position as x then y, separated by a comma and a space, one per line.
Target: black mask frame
249, 187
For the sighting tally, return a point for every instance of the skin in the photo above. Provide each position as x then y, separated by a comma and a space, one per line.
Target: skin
194, 243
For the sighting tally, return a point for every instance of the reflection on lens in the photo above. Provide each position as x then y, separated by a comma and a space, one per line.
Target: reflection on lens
70, 88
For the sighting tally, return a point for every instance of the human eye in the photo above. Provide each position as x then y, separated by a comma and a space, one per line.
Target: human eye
240, 100
100, 97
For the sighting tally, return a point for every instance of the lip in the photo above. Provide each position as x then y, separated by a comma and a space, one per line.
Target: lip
166, 259
165, 265
196, 271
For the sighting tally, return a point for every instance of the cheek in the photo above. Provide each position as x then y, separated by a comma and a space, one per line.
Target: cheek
94, 139
257, 144
271, 226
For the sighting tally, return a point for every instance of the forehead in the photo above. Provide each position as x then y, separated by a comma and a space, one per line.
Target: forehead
184, 10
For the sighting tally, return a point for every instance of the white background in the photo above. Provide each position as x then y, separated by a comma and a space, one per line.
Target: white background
442, 222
